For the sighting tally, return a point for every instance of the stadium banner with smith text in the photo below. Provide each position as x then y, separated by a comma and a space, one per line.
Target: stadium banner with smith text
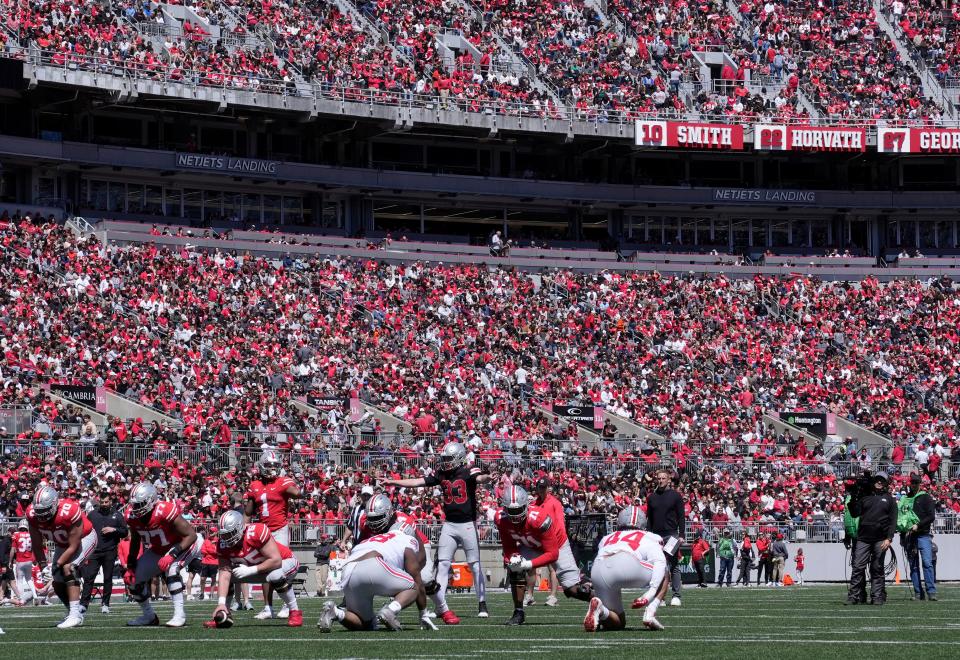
918, 140
688, 135
778, 137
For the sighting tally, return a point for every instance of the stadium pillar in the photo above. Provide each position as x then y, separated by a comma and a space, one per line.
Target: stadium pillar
359, 215
615, 223
574, 223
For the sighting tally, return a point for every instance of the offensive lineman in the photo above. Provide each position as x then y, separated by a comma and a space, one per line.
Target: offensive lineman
530, 540
249, 553
21, 558
171, 544
459, 483
628, 558
386, 564
63, 522
267, 502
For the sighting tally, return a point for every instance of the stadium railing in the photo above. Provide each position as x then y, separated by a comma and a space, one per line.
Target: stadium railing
134, 70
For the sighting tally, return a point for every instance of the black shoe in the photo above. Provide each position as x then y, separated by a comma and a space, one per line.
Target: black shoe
517, 619
932, 598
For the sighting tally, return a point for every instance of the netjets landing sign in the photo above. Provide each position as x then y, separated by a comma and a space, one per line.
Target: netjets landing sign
228, 164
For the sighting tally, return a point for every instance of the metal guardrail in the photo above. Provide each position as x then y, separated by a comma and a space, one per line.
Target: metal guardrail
136, 71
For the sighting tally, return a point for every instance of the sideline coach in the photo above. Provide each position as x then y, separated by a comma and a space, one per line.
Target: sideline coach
665, 517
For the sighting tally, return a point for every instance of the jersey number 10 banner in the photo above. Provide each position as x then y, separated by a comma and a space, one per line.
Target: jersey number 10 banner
688, 135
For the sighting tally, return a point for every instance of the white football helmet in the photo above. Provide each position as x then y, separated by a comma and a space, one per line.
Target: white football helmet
379, 513
45, 503
452, 456
143, 498
231, 529
632, 517
515, 502
270, 464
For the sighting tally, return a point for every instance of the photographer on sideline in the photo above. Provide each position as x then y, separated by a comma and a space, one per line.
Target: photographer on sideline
875, 506
915, 514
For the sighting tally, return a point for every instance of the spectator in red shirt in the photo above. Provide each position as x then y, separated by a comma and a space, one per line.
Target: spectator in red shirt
698, 553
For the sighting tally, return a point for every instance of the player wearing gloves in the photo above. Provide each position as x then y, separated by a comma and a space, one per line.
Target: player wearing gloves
170, 543
386, 564
530, 540
267, 502
63, 523
248, 553
627, 559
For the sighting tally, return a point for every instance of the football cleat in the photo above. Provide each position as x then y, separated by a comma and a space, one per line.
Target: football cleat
145, 620
482, 612
327, 615
517, 619
283, 613
652, 623
72, 621
674, 602
248, 606
639, 602
427, 624
295, 619
591, 622
528, 600
450, 618
388, 618
105, 609
551, 602
178, 621
264, 614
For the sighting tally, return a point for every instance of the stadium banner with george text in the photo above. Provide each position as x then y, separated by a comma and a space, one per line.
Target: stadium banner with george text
778, 137
688, 135
918, 140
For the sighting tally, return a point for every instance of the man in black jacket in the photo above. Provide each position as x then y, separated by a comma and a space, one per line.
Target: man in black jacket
918, 541
322, 554
665, 516
111, 528
878, 523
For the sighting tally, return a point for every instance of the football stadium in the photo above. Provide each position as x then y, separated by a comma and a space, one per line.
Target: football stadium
391, 329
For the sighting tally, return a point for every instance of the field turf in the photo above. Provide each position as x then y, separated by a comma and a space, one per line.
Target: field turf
791, 622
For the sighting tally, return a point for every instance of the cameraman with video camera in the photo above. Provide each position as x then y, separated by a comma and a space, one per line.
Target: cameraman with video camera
871, 502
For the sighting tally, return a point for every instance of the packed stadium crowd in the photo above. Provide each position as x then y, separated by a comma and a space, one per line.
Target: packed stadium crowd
222, 343
632, 60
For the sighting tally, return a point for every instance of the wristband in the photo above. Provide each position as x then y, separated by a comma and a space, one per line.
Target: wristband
221, 601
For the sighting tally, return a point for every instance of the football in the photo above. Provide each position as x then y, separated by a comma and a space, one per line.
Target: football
223, 619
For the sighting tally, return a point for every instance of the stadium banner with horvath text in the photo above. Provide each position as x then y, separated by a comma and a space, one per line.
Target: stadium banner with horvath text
778, 137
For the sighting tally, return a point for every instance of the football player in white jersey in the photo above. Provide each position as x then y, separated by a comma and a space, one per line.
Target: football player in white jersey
629, 558
385, 564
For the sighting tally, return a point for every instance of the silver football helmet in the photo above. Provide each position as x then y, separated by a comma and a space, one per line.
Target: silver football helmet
45, 503
231, 529
379, 513
143, 498
632, 517
270, 464
515, 502
23, 524
452, 456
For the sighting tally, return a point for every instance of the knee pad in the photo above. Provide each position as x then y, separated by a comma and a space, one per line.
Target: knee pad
518, 579
174, 585
281, 586
59, 575
581, 591
431, 587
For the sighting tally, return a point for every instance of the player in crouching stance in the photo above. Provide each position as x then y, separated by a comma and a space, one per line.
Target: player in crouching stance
530, 541
628, 558
248, 553
171, 543
385, 564
63, 522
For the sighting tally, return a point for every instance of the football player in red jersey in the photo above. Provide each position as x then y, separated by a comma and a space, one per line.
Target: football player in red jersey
249, 553
170, 543
530, 540
266, 502
63, 522
21, 558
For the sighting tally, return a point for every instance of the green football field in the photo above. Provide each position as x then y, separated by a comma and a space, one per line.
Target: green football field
792, 622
